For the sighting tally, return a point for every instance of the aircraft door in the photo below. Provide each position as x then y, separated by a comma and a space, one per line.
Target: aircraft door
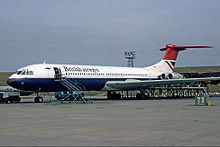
58, 73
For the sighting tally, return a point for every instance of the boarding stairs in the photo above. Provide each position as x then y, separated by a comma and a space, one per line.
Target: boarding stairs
75, 89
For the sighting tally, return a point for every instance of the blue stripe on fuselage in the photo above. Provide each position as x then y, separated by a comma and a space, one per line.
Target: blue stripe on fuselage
49, 85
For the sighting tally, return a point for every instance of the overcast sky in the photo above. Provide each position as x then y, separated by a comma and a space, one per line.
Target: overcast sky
97, 32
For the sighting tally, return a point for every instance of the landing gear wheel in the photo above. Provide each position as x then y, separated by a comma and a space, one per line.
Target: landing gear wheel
138, 96
18, 100
118, 96
38, 99
141, 96
109, 95
113, 95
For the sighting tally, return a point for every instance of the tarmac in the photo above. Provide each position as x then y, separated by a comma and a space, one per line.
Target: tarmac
163, 122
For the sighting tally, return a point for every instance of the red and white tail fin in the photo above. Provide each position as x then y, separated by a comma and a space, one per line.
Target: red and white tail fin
167, 64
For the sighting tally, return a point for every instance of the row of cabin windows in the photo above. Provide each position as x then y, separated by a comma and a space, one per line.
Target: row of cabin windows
108, 74
100, 74
123, 74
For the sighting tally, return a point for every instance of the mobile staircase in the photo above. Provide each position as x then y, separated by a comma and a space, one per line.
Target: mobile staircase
75, 89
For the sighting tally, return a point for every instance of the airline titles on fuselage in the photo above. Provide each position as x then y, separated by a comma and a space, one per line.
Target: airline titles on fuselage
78, 69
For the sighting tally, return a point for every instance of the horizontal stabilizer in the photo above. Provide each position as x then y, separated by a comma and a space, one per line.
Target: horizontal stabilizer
180, 48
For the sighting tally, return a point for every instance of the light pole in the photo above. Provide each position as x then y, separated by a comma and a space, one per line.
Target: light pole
130, 55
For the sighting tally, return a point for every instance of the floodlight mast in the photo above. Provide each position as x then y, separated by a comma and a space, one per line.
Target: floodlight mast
130, 55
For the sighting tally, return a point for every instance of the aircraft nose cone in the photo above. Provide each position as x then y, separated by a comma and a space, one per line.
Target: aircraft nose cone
9, 81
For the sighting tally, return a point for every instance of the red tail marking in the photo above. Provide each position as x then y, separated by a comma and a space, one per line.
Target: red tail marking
171, 53
172, 50
169, 65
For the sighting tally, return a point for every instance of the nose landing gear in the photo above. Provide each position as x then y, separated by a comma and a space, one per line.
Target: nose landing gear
38, 99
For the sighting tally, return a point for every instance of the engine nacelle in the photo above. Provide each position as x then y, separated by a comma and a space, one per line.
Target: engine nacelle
173, 75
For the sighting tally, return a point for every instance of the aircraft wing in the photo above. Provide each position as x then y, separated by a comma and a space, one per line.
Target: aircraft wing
137, 84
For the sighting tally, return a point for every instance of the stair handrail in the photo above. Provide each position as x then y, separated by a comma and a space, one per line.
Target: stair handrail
82, 87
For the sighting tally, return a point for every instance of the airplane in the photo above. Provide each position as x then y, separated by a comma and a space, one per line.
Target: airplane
77, 78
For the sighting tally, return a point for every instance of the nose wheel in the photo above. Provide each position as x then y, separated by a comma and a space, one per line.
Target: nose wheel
38, 99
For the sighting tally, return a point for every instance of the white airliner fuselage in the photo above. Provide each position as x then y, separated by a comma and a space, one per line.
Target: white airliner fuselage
40, 77
47, 77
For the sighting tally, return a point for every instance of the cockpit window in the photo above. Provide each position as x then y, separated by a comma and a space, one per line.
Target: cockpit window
19, 72
25, 72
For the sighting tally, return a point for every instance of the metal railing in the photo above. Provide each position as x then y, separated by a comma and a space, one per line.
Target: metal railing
75, 88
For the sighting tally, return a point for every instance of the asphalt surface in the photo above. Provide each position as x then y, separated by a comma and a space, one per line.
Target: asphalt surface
163, 122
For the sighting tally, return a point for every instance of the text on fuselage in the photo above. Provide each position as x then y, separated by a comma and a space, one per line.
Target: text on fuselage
78, 69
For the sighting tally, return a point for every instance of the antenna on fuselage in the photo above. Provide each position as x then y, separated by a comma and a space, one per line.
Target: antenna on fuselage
44, 62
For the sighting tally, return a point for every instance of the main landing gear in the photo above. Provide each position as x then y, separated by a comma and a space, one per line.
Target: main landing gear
38, 99
143, 95
113, 95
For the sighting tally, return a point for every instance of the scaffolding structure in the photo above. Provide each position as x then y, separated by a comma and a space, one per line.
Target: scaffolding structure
198, 92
